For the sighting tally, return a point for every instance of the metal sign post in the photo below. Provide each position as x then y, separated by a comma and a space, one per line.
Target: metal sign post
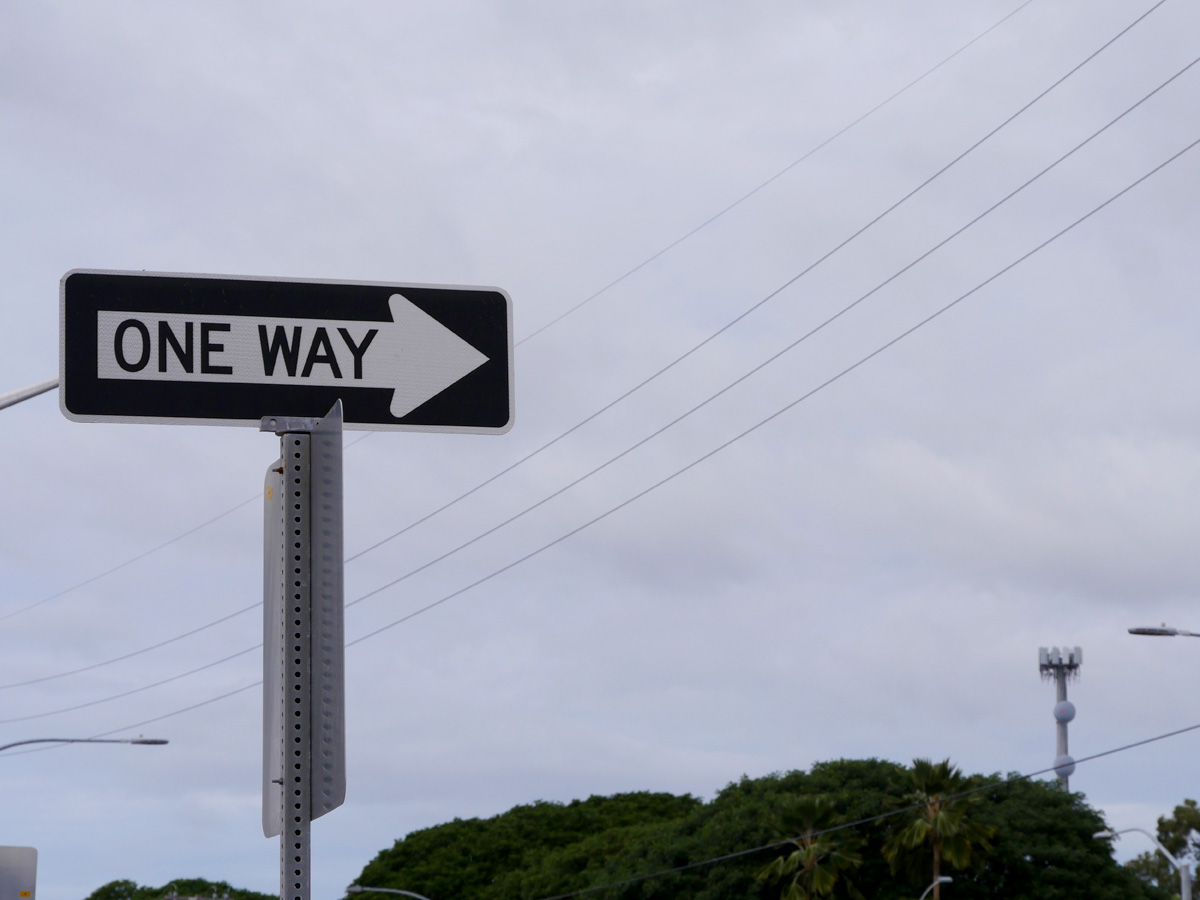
304, 767
155, 347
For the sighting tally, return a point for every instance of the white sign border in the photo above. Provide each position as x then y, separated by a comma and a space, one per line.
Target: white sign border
349, 426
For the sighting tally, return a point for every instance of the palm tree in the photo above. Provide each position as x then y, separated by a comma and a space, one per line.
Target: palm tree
821, 858
937, 810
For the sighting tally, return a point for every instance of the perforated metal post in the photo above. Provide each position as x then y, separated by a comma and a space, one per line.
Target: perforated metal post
297, 682
304, 697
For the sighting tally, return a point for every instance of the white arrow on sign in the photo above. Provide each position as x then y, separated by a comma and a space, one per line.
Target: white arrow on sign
414, 354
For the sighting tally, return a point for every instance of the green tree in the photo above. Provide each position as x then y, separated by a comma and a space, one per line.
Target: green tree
180, 887
1044, 849
823, 854
662, 847
937, 817
471, 859
115, 890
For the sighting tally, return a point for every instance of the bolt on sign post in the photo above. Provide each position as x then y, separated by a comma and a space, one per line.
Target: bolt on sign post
302, 359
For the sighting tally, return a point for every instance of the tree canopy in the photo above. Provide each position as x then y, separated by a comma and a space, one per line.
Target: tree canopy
180, 887
824, 855
653, 846
784, 836
936, 815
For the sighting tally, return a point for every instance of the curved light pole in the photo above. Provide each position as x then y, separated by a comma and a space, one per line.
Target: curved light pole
136, 740
359, 889
1185, 871
941, 879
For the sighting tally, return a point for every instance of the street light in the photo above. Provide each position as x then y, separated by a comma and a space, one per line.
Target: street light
136, 740
1185, 871
1163, 631
941, 879
358, 889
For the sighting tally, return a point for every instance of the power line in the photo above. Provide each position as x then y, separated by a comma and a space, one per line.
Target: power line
826, 256
787, 349
128, 562
724, 390
803, 397
742, 199
593, 296
131, 561
791, 405
713, 452
116, 659
136, 690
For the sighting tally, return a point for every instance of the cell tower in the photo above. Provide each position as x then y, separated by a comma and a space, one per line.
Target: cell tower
1061, 666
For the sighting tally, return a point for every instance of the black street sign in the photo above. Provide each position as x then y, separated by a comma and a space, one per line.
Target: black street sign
216, 350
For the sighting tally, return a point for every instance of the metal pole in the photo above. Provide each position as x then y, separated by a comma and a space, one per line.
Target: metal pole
304, 709
12, 398
1060, 684
294, 857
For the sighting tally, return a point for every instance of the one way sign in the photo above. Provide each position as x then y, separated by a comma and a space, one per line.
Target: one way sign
215, 350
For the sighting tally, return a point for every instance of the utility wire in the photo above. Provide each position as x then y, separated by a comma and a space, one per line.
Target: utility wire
513, 564
707, 340
131, 561
787, 349
593, 296
136, 690
711, 453
719, 393
736, 203
132, 653
803, 397
128, 562
581, 303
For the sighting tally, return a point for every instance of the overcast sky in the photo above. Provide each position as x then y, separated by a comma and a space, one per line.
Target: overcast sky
868, 573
